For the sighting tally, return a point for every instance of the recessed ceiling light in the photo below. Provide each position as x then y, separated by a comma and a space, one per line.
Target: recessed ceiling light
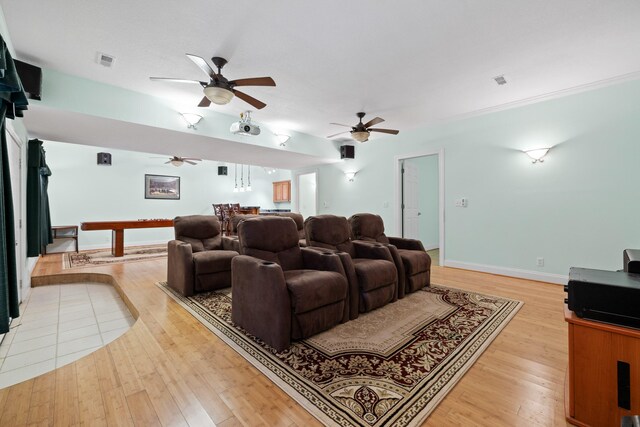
500, 80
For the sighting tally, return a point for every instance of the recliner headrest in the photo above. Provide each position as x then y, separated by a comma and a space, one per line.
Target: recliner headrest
329, 229
366, 225
268, 233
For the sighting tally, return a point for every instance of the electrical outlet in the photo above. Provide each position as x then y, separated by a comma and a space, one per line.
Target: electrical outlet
385, 204
540, 262
325, 204
462, 203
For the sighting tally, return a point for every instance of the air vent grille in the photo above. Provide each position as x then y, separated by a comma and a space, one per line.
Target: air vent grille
106, 60
500, 80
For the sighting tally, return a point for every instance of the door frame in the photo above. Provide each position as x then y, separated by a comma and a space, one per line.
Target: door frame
398, 193
24, 284
296, 187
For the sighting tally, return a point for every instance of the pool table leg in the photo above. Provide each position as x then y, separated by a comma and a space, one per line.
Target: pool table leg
117, 243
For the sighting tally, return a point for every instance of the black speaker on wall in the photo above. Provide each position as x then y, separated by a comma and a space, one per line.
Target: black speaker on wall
31, 78
222, 170
104, 159
347, 152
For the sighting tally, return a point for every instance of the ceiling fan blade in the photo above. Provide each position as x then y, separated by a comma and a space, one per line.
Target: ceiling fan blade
190, 162
391, 131
205, 102
340, 124
168, 79
373, 122
339, 133
202, 64
166, 163
255, 81
191, 158
250, 99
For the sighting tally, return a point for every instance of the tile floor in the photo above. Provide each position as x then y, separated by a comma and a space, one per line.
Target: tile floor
58, 325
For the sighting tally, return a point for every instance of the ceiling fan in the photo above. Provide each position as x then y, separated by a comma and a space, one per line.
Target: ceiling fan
219, 90
360, 132
179, 161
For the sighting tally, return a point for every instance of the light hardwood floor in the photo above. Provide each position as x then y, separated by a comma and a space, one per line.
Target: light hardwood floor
170, 370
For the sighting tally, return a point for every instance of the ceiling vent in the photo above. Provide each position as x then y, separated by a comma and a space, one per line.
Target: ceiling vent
500, 80
106, 60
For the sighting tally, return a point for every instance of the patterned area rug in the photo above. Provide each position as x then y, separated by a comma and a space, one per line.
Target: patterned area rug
388, 367
103, 256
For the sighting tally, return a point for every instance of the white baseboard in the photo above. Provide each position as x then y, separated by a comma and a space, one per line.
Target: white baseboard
431, 247
559, 279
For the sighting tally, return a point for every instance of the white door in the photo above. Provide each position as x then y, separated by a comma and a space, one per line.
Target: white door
15, 168
307, 194
410, 199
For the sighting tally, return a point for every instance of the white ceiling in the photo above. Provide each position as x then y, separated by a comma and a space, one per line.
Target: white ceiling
410, 62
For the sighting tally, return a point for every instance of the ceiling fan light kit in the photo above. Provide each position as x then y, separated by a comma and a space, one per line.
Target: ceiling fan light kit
218, 95
360, 136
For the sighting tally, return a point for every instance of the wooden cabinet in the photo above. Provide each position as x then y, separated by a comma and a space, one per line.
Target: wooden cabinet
604, 370
281, 191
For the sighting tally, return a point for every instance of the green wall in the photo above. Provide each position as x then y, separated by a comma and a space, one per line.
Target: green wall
81, 190
578, 208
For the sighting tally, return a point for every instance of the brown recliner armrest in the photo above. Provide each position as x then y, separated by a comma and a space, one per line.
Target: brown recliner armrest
324, 260
352, 279
180, 274
397, 260
372, 250
410, 244
230, 243
328, 260
261, 302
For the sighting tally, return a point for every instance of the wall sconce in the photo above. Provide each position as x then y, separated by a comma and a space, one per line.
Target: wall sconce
537, 154
282, 139
191, 119
350, 175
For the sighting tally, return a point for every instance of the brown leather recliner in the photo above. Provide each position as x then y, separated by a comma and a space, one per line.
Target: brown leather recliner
280, 291
299, 219
199, 259
372, 274
412, 261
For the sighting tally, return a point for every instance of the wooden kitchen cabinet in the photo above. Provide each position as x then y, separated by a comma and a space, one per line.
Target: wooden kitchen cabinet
281, 191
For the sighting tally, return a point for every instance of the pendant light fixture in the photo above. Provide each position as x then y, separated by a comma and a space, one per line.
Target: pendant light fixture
248, 177
242, 179
235, 189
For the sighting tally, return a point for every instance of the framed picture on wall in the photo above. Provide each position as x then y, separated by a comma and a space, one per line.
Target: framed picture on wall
161, 187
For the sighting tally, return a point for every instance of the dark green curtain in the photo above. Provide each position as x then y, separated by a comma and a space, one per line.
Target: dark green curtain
39, 233
13, 102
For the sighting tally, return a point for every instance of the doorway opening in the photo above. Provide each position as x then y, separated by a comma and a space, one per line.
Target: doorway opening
420, 201
307, 199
